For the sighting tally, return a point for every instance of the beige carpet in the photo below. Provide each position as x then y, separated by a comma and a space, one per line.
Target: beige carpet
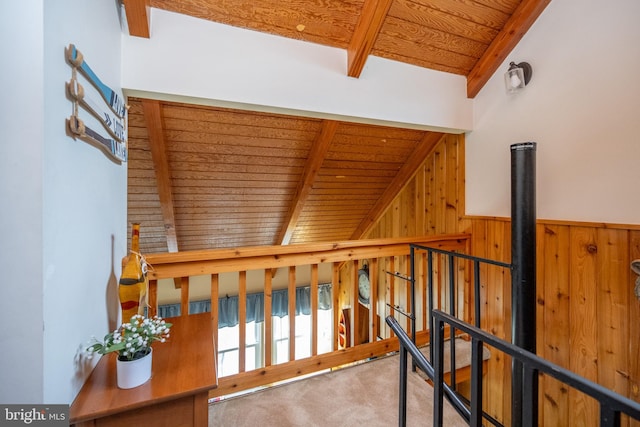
365, 394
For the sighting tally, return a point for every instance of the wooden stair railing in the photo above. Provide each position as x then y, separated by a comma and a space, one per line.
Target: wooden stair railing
385, 254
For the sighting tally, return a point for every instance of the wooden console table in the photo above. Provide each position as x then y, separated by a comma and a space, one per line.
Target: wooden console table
177, 394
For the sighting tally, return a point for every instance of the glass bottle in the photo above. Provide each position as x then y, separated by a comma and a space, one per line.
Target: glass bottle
133, 282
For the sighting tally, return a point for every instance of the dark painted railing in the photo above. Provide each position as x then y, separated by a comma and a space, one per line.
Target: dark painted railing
408, 347
612, 405
450, 261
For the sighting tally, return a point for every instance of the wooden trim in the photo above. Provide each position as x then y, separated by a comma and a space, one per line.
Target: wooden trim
138, 17
193, 263
242, 321
292, 369
152, 297
355, 312
591, 224
314, 162
365, 34
392, 291
335, 284
407, 292
374, 326
314, 309
309, 365
215, 294
514, 29
155, 128
184, 296
292, 309
395, 252
268, 320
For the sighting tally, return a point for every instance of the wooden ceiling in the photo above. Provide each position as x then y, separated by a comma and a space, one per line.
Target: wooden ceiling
206, 177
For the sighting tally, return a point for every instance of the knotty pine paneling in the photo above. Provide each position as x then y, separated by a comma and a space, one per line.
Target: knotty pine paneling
553, 272
583, 342
588, 318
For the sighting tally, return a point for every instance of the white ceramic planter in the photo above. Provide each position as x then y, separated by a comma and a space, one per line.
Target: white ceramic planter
133, 373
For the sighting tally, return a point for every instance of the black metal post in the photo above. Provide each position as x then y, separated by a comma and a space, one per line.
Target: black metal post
430, 302
402, 415
412, 280
452, 311
523, 275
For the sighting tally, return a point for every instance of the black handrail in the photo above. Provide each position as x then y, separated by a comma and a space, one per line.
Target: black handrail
407, 345
451, 256
611, 403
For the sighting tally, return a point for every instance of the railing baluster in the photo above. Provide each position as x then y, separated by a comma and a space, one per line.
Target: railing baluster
476, 382
215, 294
184, 296
412, 279
430, 289
292, 313
373, 300
314, 309
335, 283
402, 421
242, 321
392, 289
268, 318
438, 375
411, 299
476, 292
530, 386
423, 282
232, 261
153, 298
452, 330
608, 416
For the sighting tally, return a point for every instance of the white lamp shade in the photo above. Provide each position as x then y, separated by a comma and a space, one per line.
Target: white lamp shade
514, 80
517, 76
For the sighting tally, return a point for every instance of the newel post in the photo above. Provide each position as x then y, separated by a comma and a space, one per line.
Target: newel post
523, 276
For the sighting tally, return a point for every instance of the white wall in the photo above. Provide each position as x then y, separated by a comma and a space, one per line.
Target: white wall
194, 60
64, 217
21, 160
582, 107
85, 196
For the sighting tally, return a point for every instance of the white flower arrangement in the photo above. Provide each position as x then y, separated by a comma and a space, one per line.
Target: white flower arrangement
132, 340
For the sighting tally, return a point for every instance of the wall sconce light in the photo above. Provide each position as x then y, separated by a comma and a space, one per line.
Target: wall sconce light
517, 76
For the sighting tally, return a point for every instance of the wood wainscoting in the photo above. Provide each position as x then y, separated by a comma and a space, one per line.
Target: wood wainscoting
588, 318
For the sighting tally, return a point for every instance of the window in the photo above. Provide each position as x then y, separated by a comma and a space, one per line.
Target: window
228, 342
228, 348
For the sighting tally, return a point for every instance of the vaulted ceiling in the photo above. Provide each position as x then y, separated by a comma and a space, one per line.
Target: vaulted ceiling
206, 177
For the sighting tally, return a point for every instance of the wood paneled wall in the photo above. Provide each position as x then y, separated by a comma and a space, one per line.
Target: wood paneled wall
588, 318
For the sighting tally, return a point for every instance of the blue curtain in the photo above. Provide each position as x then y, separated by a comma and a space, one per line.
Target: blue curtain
228, 306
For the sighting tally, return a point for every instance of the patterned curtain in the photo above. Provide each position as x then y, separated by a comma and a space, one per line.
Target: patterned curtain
228, 305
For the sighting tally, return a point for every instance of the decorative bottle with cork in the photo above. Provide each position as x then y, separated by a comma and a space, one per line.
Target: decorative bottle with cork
133, 282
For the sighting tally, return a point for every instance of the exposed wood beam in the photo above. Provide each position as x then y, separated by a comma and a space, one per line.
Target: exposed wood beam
365, 34
155, 129
514, 29
314, 162
421, 152
138, 13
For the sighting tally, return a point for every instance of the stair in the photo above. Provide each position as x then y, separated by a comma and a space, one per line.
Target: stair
462, 363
